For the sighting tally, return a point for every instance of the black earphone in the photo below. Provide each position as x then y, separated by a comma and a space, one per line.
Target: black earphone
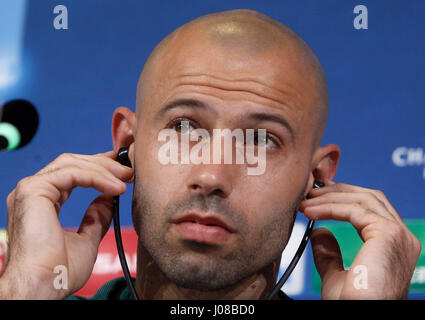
123, 158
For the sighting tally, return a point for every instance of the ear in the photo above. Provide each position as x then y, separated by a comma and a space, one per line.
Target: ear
124, 126
325, 163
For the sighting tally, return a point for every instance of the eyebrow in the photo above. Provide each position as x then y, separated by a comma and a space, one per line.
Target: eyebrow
260, 116
192, 103
255, 116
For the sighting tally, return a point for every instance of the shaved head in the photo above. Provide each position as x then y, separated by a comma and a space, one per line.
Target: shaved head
252, 34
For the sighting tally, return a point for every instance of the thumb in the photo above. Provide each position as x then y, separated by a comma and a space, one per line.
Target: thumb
326, 253
97, 219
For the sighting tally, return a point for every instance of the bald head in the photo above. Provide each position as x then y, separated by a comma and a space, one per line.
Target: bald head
246, 33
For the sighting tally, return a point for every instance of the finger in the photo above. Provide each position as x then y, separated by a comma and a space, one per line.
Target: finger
325, 181
83, 165
381, 196
326, 253
358, 216
96, 220
109, 154
100, 163
338, 187
364, 199
342, 187
111, 164
53, 185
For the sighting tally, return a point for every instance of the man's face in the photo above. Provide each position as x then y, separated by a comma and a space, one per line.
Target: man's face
176, 207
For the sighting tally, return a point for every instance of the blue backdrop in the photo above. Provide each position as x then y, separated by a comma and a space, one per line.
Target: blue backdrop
77, 77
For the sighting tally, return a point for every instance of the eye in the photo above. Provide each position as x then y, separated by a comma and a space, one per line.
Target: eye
182, 125
265, 139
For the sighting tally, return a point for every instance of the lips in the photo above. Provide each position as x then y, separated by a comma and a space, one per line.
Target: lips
209, 229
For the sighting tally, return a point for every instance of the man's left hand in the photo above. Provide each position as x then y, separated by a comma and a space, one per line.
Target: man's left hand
389, 253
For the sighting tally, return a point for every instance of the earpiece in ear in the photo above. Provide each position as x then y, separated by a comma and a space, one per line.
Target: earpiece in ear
318, 184
123, 158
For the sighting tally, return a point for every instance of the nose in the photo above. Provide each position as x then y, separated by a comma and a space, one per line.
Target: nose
211, 179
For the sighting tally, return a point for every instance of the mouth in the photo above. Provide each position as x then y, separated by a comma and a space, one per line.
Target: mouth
205, 229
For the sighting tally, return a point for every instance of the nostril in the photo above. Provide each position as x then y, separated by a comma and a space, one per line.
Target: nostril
219, 192
207, 190
195, 186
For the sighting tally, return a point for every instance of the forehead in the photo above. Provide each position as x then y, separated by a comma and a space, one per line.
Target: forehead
227, 57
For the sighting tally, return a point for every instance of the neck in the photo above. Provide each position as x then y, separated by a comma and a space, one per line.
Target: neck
151, 283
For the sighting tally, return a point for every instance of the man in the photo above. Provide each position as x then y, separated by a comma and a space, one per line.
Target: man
211, 231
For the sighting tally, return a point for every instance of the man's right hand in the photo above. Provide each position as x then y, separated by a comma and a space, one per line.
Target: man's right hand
38, 243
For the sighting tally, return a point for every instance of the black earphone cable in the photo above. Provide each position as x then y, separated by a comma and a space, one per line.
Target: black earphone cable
120, 248
298, 254
293, 262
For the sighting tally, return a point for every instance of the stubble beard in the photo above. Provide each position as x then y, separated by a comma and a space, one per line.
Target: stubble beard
200, 266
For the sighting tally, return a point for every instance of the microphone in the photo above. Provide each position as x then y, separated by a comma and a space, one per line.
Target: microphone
18, 124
